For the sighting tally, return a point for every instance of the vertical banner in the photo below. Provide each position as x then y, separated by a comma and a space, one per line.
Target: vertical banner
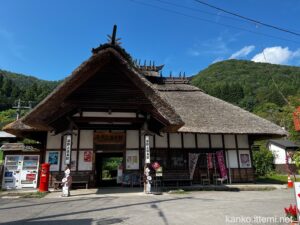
147, 149
220, 158
68, 149
193, 158
209, 161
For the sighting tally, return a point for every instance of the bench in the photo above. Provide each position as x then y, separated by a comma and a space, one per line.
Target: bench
177, 177
76, 179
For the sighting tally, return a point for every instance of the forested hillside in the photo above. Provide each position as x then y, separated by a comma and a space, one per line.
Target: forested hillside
18, 86
14, 86
271, 91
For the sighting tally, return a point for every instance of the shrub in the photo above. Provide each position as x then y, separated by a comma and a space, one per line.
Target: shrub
263, 161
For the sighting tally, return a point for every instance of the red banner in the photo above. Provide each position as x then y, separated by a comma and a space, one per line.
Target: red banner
209, 161
296, 117
223, 170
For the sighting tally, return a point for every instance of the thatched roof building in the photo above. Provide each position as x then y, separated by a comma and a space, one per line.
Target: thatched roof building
110, 102
182, 107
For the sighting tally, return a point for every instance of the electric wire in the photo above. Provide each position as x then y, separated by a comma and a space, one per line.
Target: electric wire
211, 21
249, 19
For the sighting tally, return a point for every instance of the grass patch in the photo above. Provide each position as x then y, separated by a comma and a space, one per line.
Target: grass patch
28, 195
272, 179
34, 195
178, 191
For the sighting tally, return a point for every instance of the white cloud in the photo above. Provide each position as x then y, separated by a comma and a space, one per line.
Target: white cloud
217, 60
277, 55
242, 52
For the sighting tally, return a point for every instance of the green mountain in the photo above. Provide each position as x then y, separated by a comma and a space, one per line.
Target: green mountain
28, 89
271, 91
15, 86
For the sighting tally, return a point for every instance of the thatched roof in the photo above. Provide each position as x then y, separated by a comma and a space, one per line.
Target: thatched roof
18, 128
55, 102
203, 113
180, 107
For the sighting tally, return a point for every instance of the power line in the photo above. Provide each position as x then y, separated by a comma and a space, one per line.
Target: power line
197, 10
214, 22
249, 19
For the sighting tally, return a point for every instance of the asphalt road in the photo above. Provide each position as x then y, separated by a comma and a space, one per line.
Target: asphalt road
246, 207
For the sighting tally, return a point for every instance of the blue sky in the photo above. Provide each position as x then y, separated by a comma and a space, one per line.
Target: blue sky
49, 39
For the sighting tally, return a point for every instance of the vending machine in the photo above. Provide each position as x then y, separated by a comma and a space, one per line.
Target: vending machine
12, 172
29, 173
20, 171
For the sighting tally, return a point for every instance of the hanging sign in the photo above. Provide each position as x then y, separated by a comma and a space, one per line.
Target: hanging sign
220, 158
193, 158
68, 149
109, 138
147, 149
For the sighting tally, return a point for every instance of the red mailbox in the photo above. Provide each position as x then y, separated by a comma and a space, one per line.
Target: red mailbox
44, 177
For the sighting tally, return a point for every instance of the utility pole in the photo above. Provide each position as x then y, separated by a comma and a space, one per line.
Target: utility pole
19, 107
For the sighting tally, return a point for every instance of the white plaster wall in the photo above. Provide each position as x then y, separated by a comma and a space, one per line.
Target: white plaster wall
82, 164
189, 141
74, 140
279, 154
86, 139
161, 141
175, 140
53, 142
242, 141
202, 140
106, 114
143, 141
232, 155
229, 140
132, 139
216, 141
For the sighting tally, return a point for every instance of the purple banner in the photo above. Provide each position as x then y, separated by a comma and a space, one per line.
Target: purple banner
193, 158
223, 170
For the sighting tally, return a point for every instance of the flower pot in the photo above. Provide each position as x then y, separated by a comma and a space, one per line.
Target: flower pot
294, 222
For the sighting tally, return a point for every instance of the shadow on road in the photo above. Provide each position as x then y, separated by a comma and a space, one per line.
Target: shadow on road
48, 219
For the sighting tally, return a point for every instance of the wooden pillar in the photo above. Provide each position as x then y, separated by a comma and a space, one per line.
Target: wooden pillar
168, 151
77, 149
238, 155
61, 152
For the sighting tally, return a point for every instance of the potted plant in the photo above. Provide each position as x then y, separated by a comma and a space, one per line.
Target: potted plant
291, 213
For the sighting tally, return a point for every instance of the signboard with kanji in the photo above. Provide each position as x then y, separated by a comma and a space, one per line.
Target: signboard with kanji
68, 149
147, 149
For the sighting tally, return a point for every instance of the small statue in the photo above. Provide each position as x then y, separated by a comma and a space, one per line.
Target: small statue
66, 182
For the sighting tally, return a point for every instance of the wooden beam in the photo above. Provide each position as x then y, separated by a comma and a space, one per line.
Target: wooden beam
107, 119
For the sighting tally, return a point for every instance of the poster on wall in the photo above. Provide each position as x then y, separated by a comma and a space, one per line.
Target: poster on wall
132, 160
53, 160
245, 160
85, 160
87, 156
